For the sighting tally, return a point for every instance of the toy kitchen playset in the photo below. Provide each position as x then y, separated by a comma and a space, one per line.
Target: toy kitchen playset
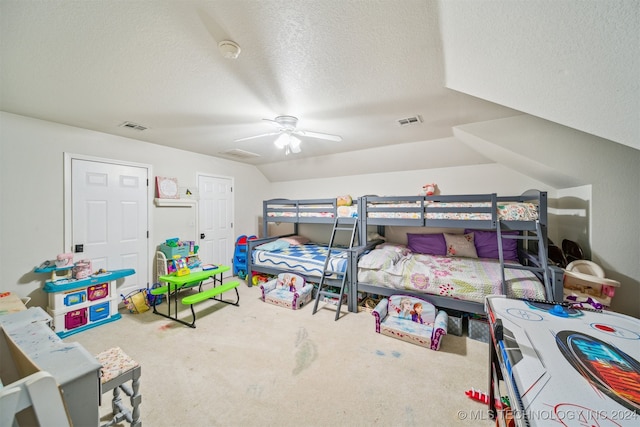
78, 298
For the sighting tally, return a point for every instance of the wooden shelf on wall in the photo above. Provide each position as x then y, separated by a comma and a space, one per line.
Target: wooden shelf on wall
183, 203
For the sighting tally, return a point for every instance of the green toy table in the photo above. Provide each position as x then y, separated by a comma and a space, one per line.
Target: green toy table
174, 284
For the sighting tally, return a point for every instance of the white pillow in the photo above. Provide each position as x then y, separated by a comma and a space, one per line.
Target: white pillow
460, 245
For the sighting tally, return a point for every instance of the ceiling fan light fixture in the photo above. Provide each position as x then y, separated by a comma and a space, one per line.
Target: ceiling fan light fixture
282, 140
294, 142
229, 49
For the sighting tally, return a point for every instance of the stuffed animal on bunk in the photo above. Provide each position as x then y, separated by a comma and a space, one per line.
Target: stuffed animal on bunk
429, 189
345, 200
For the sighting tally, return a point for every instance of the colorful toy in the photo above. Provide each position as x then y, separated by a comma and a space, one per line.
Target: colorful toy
64, 260
344, 200
484, 398
240, 256
181, 266
258, 278
429, 189
82, 269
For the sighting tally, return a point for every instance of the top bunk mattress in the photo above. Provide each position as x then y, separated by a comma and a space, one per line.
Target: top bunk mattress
451, 210
472, 210
310, 208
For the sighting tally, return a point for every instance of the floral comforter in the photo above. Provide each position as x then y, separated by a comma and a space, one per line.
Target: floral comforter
462, 278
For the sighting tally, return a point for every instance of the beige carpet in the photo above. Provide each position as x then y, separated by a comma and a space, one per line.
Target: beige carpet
258, 364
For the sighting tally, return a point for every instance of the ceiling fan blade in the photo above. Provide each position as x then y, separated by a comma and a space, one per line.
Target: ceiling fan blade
295, 148
256, 136
318, 135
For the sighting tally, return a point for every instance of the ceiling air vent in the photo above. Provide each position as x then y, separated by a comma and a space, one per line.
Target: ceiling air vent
239, 154
410, 120
134, 126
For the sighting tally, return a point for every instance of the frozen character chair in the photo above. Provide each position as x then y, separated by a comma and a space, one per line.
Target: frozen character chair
288, 290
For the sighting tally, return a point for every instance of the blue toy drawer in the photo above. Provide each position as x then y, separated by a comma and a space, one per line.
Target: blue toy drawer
99, 311
74, 298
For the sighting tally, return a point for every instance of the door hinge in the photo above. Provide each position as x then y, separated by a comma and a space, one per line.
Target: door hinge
147, 234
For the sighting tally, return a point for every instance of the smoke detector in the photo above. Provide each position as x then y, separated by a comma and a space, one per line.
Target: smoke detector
229, 49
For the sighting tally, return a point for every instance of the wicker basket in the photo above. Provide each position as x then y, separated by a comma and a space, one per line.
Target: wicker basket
368, 304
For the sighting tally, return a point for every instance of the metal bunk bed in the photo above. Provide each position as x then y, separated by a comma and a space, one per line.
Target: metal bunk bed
313, 211
480, 212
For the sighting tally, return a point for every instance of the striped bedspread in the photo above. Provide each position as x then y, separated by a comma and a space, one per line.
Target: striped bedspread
305, 259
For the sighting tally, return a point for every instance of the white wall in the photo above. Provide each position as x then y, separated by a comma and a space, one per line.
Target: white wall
32, 199
572, 62
486, 178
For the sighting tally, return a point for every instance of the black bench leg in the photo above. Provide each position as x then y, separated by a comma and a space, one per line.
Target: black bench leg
237, 303
193, 313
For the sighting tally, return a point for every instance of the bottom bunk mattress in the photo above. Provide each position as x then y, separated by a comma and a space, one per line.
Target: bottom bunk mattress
307, 259
469, 279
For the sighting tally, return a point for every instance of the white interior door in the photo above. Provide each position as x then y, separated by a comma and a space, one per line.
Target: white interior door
109, 214
216, 220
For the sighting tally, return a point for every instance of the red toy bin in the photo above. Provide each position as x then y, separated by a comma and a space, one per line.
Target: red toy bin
75, 319
98, 291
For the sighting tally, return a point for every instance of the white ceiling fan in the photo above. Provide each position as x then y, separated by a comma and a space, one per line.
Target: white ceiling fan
288, 134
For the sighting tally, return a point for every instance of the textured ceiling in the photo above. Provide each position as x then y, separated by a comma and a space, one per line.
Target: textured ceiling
345, 67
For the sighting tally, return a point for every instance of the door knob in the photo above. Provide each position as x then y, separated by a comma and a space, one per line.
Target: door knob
202, 235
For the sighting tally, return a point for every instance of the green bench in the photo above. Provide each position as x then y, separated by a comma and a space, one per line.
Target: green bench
210, 294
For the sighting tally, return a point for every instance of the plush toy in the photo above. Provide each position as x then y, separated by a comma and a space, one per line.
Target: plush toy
344, 200
257, 279
429, 189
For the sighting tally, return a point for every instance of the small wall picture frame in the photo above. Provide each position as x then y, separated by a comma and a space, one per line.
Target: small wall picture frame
167, 188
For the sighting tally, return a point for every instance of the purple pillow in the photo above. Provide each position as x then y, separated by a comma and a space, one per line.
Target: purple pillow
429, 244
487, 244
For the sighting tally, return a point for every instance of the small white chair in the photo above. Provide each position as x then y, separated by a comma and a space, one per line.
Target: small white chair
117, 370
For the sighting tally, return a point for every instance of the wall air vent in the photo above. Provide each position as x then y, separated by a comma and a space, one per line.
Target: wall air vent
410, 121
135, 126
239, 154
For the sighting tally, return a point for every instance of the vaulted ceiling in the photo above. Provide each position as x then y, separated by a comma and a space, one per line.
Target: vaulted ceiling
352, 68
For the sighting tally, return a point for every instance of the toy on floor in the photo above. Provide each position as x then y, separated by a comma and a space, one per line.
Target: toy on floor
258, 278
136, 301
482, 397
